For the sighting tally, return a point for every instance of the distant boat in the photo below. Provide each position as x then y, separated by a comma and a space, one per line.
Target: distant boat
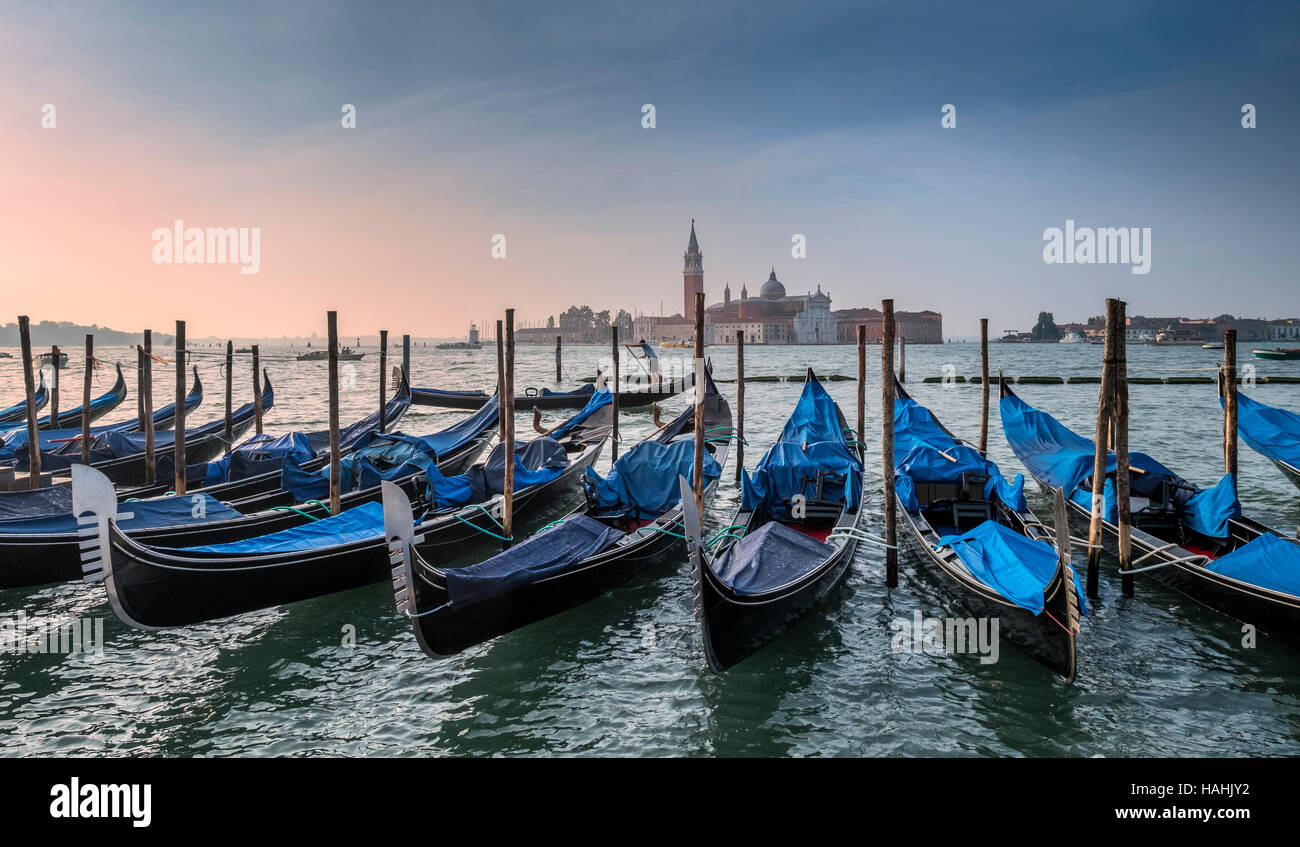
1212, 346
347, 354
6, 355
1012, 336
244, 350
1074, 338
1277, 353
48, 358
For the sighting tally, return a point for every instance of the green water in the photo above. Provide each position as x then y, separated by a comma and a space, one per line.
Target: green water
625, 675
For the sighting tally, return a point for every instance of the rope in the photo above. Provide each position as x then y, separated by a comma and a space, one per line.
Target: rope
295, 510
1068, 631
473, 525
725, 532
430, 611
657, 528
861, 536
551, 525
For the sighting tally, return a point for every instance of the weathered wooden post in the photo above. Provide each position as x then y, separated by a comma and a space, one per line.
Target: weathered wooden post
984, 385
862, 385
740, 405
85, 400
139, 387
383, 380
1230, 405
613, 335
406, 358
336, 488
230, 392
150, 453
508, 484
501, 384
54, 389
1105, 414
887, 441
178, 441
902, 358
1122, 502
559, 361
701, 383
29, 385
257, 390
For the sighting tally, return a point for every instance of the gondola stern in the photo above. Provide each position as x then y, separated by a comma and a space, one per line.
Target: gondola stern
399, 534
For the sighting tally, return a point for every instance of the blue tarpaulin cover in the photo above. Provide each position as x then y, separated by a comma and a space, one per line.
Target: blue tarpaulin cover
1273, 432
257, 455
546, 554
160, 511
589, 388
1064, 459
811, 443
644, 481
772, 556
599, 400
62, 439
538, 461
30, 502
1017, 567
357, 524
1268, 561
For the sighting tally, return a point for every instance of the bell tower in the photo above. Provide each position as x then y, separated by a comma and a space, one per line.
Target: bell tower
692, 274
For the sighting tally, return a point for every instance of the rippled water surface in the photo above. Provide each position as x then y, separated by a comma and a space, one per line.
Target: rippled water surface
624, 675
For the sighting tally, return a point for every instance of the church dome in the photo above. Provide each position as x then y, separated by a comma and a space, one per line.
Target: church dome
772, 289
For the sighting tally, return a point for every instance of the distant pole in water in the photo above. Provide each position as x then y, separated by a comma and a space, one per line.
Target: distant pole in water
1229, 382
383, 379
336, 491
1122, 501
230, 391
701, 382
740, 405
508, 483
1105, 414
902, 359
887, 441
862, 385
54, 388
150, 455
85, 400
139, 387
178, 440
501, 384
257, 390
559, 357
406, 358
29, 384
613, 335
984, 380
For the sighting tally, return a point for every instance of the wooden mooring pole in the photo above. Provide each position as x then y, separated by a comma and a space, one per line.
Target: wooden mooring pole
613, 335
559, 361
1230, 405
862, 385
508, 484
902, 358
257, 390
701, 383
501, 384
54, 389
86, 381
1123, 504
984, 385
406, 359
740, 405
1105, 414
178, 440
150, 453
887, 441
230, 394
336, 488
383, 380
29, 386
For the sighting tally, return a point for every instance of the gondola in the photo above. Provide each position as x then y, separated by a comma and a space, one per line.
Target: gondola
18, 411
546, 399
1191, 539
37, 547
121, 455
629, 521
67, 440
1275, 433
194, 579
790, 542
99, 406
979, 537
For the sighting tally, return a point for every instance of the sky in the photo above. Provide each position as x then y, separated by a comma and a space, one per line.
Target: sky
525, 120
